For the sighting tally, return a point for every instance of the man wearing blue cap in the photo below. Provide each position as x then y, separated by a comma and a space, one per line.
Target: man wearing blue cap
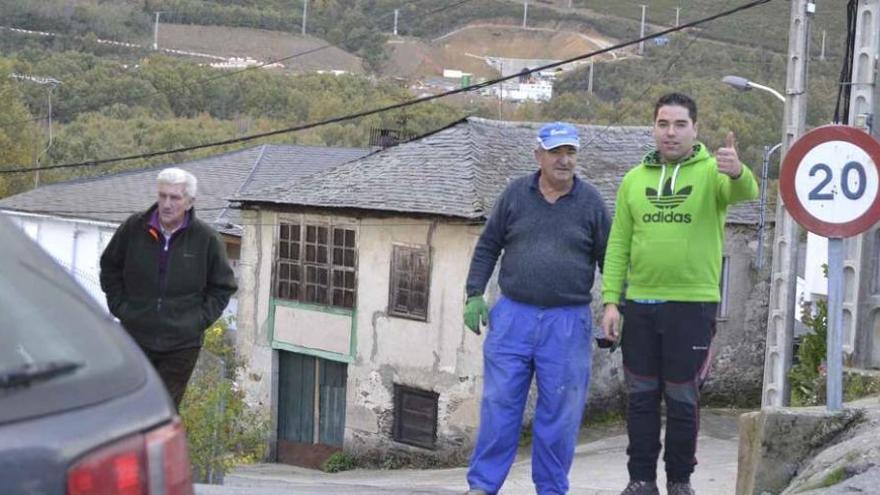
552, 228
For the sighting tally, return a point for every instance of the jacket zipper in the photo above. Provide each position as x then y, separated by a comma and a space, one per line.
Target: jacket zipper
164, 280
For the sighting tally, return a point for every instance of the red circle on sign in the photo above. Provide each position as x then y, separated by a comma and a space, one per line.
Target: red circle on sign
793, 160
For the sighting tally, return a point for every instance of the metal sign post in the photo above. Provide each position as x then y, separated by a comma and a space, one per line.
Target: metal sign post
834, 360
829, 183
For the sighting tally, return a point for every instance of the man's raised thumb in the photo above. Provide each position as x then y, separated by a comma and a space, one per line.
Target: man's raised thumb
730, 140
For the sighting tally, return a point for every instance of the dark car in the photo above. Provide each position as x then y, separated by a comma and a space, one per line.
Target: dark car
81, 410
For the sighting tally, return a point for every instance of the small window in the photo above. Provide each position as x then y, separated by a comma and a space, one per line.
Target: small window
410, 275
725, 287
415, 416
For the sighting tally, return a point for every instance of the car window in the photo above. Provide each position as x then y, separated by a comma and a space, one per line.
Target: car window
48, 318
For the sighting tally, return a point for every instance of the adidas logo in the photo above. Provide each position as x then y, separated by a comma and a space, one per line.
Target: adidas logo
667, 201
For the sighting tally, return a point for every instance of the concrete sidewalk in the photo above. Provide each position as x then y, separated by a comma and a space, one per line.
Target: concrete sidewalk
599, 469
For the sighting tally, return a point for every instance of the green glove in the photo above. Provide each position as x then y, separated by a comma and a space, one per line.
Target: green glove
476, 312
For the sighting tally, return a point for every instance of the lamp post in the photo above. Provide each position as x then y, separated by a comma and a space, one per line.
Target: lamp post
768, 151
743, 84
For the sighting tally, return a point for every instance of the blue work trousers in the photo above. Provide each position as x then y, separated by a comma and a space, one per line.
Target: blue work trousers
555, 345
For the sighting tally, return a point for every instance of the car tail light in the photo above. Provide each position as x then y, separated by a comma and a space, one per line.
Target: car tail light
155, 463
168, 460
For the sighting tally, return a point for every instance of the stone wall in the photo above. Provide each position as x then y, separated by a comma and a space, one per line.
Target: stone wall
738, 366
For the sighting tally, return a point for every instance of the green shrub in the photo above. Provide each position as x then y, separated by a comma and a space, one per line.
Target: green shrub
808, 375
222, 430
856, 385
339, 461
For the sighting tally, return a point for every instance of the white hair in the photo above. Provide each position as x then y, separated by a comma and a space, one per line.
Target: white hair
176, 176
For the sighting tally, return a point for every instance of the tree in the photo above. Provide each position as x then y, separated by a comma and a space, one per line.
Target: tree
18, 134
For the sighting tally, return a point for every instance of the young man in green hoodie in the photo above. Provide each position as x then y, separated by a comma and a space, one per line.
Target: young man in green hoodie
666, 242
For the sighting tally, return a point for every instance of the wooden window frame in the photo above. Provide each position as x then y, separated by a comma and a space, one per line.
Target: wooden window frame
408, 273
401, 392
306, 268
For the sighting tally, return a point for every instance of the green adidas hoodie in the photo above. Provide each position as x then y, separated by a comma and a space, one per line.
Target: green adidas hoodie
668, 230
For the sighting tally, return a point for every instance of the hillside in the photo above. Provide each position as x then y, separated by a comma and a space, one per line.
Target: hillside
765, 26
467, 49
259, 44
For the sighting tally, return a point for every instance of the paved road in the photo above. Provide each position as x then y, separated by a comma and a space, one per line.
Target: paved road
599, 469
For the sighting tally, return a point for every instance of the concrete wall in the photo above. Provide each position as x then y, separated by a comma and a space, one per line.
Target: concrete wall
75, 244
253, 337
439, 354
737, 371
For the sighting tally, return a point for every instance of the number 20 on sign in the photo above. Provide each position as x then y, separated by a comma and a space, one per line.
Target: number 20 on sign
830, 181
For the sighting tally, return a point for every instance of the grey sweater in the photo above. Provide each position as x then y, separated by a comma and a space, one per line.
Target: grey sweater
550, 250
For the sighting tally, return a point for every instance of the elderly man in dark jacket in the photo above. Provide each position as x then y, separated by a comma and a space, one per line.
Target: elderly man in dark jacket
167, 279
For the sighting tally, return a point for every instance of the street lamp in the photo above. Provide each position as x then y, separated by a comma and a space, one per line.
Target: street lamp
743, 84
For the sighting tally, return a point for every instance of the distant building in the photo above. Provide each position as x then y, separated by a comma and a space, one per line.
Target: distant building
538, 90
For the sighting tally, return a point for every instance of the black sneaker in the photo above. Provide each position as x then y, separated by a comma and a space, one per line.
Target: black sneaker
679, 488
641, 488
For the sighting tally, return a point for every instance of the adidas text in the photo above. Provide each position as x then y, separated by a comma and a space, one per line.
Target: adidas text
668, 217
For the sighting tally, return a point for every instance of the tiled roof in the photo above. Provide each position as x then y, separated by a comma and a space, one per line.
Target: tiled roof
460, 170
112, 198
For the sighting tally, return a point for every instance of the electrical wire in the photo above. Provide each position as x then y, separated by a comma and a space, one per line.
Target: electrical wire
844, 90
396, 106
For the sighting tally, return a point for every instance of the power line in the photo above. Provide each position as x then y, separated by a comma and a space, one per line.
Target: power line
207, 80
396, 106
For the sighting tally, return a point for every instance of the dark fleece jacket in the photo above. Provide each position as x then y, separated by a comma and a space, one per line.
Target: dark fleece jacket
166, 309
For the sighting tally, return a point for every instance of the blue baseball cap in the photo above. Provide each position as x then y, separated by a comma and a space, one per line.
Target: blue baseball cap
558, 134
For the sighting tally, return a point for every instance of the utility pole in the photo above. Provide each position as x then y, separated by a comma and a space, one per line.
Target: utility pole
305, 15
156, 31
859, 310
569, 4
642, 32
677, 15
783, 277
501, 91
525, 11
396, 13
590, 81
51, 83
822, 52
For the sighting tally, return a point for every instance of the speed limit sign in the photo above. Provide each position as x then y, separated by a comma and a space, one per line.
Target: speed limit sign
830, 181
